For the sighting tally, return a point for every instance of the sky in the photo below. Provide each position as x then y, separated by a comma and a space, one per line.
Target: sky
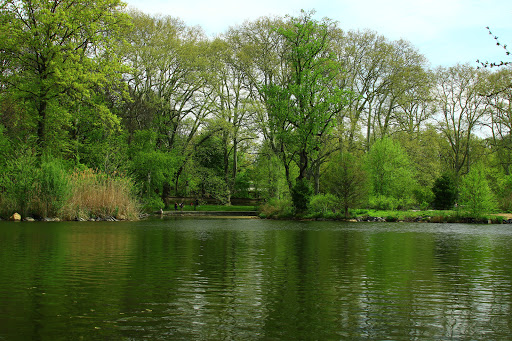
447, 32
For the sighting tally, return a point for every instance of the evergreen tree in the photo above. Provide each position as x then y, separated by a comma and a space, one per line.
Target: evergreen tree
445, 193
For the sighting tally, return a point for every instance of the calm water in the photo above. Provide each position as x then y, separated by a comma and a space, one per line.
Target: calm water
254, 280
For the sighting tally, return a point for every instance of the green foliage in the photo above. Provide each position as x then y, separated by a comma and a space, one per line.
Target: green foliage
209, 169
324, 203
301, 109
183, 117
20, 183
151, 204
149, 167
99, 140
423, 148
504, 192
268, 176
346, 178
34, 187
242, 185
53, 61
390, 172
475, 193
382, 202
301, 194
5, 147
214, 186
54, 186
445, 193
277, 208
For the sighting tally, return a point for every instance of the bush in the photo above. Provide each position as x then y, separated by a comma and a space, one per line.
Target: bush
391, 218
277, 208
323, 203
384, 203
53, 187
152, 203
360, 211
20, 184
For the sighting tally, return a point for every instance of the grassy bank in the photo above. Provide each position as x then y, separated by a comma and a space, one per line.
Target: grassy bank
433, 216
284, 210
218, 208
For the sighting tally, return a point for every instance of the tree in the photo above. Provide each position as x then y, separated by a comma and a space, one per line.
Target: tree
208, 170
461, 111
390, 83
309, 100
496, 90
423, 148
302, 108
170, 84
57, 53
151, 168
390, 172
234, 111
346, 179
475, 193
445, 193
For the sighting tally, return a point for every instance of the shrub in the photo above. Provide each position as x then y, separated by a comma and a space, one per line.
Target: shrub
277, 208
20, 183
323, 203
53, 187
391, 218
381, 202
152, 203
360, 211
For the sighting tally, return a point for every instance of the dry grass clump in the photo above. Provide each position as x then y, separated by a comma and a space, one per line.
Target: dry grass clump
97, 195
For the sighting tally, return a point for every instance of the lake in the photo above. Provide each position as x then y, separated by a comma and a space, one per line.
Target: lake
251, 279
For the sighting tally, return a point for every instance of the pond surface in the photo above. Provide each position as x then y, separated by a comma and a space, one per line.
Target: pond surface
250, 279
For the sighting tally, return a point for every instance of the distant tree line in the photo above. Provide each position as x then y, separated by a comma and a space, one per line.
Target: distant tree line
288, 109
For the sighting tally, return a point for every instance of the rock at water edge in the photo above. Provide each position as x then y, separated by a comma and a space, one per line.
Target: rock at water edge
15, 217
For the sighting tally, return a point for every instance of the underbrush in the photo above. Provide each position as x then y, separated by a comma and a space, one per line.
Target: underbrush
42, 188
277, 209
95, 194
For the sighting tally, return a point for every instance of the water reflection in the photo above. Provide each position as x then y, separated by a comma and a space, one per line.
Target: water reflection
253, 279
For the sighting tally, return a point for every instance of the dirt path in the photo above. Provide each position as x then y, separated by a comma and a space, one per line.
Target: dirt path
504, 215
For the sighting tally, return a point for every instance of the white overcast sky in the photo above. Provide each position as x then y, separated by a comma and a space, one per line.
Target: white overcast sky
447, 32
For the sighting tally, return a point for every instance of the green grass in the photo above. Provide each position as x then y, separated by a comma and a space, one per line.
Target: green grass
403, 215
450, 216
218, 208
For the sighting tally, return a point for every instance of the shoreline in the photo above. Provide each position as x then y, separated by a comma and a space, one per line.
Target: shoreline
497, 218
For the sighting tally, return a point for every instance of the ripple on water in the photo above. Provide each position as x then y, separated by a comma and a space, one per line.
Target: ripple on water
255, 279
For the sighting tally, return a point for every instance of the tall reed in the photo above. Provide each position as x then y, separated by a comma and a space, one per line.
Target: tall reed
95, 194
